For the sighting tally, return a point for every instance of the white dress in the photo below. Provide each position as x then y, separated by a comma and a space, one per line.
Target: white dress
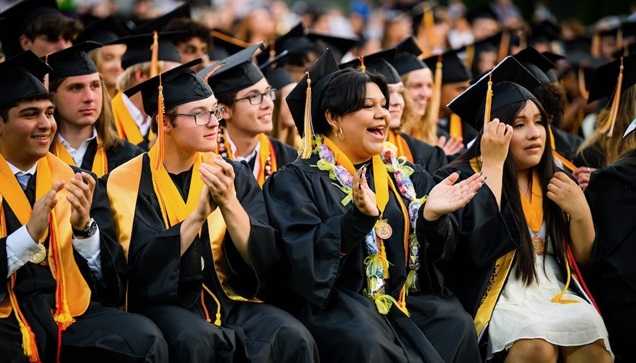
527, 312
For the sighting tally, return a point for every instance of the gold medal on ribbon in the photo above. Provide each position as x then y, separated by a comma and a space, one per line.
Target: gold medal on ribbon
38, 256
538, 244
383, 229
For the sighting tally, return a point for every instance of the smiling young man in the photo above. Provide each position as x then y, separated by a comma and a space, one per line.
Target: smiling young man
248, 101
198, 245
86, 135
59, 267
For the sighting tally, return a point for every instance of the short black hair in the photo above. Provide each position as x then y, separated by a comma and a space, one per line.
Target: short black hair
191, 29
4, 111
345, 93
53, 26
226, 98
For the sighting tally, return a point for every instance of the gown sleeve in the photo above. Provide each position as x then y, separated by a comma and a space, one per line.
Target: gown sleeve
314, 239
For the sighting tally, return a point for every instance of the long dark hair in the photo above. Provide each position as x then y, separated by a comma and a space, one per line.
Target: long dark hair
557, 231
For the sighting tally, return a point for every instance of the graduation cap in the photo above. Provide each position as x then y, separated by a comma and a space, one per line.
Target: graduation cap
481, 12
544, 31
21, 78
273, 70
453, 69
536, 63
160, 22
15, 20
377, 63
224, 45
237, 72
338, 45
73, 61
405, 59
138, 48
610, 80
625, 51
553, 57
104, 30
510, 82
498, 43
180, 85
303, 99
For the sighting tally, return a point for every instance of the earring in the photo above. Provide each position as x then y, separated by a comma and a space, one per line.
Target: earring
339, 133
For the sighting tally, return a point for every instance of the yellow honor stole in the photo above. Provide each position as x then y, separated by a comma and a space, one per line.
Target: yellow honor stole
126, 126
403, 148
100, 163
72, 294
382, 182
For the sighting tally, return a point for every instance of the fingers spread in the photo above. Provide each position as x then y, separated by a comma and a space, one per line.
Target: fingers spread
451, 179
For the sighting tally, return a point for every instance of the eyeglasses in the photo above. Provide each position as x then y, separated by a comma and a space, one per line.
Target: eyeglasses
203, 118
257, 98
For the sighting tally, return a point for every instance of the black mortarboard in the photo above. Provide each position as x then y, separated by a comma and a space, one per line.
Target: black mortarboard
536, 63
237, 72
405, 59
21, 78
73, 61
104, 30
273, 70
418, 13
581, 43
296, 43
626, 51
604, 78
481, 12
453, 69
320, 73
338, 45
15, 19
224, 45
180, 85
553, 57
160, 22
511, 84
377, 63
138, 48
544, 31
490, 44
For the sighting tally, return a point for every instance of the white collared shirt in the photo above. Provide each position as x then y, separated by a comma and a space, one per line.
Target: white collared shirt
21, 247
248, 157
79, 153
143, 122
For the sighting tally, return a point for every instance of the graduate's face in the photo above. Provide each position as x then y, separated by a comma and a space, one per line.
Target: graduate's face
26, 134
450, 91
419, 89
528, 137
396, 104
190, 136
79, 99
43, 45
363, 131
193, 49
109, 62
248, 118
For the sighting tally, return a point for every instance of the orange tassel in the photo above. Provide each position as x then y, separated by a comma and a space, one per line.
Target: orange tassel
160, 127
488, 101
581, 83
308, 130
154, 58
436, 97
613, 114
504, 46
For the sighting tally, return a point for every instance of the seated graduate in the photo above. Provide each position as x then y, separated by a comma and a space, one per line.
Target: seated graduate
57, 265
358, 273
612, 198
415, 151
248, 101
194, 230
522, 237
86, 135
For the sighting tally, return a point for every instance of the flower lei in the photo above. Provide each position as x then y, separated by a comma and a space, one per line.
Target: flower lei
376, 264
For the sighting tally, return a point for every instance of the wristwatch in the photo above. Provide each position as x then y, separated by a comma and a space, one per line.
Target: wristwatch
88, 231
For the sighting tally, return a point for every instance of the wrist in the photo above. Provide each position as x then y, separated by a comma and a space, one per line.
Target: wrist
429, 215
87, 230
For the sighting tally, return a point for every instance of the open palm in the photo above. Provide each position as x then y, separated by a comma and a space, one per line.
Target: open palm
448, 195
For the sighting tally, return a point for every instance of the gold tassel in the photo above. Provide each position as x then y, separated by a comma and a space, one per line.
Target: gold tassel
160, 127
504, 46
363, 68
308, 130
154, 58
235, 41
433, 111
596, 45
488, 101
581, 83
45, 80
470, 56
423, 36
559, 298
616, 101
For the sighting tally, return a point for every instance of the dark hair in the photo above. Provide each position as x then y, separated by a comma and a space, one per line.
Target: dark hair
4, 111
553, 100
556, 224
53, 26
345, 93
191, 29
226, 98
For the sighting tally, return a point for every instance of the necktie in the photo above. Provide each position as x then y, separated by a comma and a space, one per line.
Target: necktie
23, 179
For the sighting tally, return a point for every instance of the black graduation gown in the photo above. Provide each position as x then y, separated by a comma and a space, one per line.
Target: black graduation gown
285, 154
101, 334
612, 272
116, 155
168, 288
566, 143
322, 278
592, 156
427, 156
468, 132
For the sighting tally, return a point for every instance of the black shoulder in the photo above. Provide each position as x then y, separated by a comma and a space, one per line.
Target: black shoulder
285, 154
